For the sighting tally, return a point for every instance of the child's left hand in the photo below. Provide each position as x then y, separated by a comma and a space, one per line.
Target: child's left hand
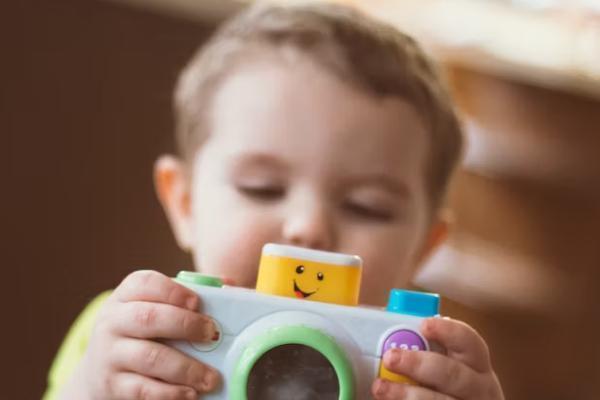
464, 373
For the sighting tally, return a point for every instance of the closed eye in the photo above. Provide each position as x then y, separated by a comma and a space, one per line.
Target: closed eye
265, 193
369, 212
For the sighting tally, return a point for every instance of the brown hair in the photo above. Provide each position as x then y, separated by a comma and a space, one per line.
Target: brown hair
363, 51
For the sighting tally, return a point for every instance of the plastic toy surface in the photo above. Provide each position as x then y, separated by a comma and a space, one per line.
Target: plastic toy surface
300, 335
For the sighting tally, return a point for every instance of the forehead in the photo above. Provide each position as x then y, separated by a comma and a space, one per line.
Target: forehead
298, 109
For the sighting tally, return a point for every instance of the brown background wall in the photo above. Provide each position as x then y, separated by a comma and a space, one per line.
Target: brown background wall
540, 207
85, 111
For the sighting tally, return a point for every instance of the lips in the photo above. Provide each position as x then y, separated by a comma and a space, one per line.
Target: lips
301, 294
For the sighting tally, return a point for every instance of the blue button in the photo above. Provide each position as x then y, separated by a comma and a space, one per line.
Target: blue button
419, 304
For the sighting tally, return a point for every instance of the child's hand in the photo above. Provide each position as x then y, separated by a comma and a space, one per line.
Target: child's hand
465, 373
124, 362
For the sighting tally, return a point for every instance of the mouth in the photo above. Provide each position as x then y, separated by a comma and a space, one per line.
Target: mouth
301, 294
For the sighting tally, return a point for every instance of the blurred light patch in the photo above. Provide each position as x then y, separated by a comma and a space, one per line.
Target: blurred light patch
482, 275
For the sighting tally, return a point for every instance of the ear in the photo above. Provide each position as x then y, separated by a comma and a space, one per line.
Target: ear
438, 233
173, 191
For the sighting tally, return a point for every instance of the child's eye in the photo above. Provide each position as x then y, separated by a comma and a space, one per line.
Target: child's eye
261, 192
369, 212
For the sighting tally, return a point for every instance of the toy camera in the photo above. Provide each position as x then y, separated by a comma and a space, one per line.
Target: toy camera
301, 335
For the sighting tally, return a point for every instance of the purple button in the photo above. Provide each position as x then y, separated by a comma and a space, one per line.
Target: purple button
404, 339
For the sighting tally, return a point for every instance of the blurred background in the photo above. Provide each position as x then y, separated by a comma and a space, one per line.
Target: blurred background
85, 110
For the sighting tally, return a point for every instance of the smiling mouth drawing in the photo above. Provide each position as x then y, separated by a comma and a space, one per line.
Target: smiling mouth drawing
301, 294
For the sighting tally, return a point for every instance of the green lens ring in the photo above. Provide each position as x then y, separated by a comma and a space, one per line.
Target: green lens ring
196, 278
283, 335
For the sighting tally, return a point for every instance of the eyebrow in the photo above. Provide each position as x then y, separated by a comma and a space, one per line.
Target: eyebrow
249, 160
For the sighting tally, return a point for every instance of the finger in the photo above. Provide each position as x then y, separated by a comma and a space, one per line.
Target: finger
145, 320
155, 287
162, 362
435, 371
129, 386
462, 342
386, 390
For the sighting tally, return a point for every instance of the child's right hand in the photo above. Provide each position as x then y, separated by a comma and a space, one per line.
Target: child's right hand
123, 360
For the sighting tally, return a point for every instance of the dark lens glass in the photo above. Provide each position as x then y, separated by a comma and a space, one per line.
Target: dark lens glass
293, 372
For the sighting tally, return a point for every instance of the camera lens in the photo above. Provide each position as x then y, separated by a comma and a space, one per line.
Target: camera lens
293, 372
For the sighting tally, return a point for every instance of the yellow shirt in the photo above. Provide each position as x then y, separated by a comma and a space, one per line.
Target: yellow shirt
73, 347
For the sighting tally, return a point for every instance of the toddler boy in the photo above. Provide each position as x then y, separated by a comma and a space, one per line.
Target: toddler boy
309, 125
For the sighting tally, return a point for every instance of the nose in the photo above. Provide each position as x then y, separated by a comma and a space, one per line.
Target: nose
309, 225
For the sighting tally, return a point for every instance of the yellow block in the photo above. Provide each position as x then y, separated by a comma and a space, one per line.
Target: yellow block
309, 274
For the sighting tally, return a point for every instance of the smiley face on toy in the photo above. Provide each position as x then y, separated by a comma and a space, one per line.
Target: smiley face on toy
300, 271
309, 274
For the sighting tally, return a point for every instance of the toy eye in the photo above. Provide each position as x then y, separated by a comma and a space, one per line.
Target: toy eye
320, 276
300, 269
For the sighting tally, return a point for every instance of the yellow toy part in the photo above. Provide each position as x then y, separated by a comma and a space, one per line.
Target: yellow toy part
309, 274
386, 374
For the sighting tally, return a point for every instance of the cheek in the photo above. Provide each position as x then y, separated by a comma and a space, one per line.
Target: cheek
236, 260
229, 238
387, 263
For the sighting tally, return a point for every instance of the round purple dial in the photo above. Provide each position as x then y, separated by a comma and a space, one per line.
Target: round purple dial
404, 339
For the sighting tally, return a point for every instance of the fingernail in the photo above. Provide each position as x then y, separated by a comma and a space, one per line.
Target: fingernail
392, 357
207, 332
426, 327
192, 303
210, 379
381, 386
210, 331
191, 394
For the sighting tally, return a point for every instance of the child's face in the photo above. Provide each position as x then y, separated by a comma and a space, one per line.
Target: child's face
297, 156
